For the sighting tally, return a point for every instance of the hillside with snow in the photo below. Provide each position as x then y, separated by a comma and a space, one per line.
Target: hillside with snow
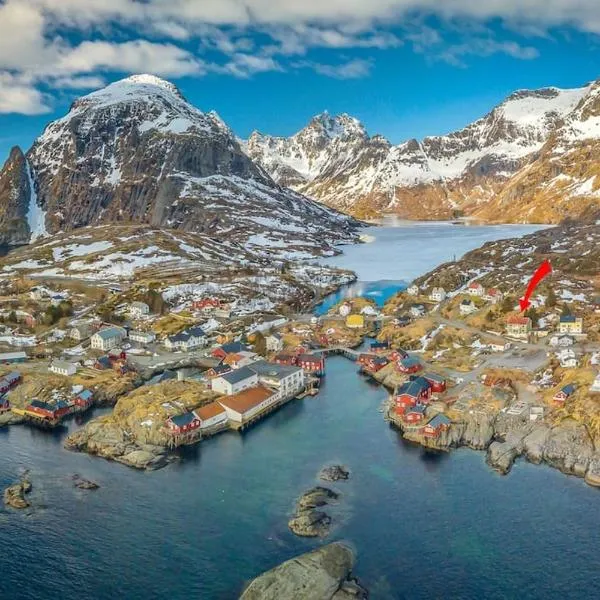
335, 161
138, 152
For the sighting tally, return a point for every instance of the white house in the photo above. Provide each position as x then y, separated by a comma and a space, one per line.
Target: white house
417, 310
494, 296
191, 338
467, 307
62, 367
570, 324
142, 337
243, 358
595, 387
80, 332
438, 294
108, 338
211, 415
235, 381
476, 289
284, 378
564, 341
567, 359
274, 343
139, 309
242, 406
345, 309
413, 290
595, 359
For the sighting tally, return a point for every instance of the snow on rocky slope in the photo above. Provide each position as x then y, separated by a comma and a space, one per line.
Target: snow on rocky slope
335, 161
138, 152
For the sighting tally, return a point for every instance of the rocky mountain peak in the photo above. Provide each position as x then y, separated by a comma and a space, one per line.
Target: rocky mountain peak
332, 127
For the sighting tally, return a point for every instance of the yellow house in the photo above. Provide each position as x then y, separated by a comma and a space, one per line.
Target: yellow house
355, 321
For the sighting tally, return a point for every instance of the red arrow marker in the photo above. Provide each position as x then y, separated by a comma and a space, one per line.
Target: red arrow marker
544, 269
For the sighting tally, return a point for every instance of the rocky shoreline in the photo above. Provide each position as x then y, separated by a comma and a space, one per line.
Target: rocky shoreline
567, 447
14, 495
111, 443
309, 520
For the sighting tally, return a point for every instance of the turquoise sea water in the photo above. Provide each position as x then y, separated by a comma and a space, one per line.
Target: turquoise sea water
423, 525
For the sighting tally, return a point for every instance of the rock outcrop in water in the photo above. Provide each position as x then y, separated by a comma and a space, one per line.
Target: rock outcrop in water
14, 495
308, 520
334, 473
323, 574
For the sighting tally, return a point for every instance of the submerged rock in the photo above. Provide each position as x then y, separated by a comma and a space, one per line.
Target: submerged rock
334, 473
14, 495
323, 574
84, 484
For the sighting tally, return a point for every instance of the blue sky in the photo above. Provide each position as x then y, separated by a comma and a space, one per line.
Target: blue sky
406, 68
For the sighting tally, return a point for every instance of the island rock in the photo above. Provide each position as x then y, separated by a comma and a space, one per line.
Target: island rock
14, 495
334, 473
323, 574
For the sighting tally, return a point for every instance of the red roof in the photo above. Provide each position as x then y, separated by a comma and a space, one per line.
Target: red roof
517, 320
474, 285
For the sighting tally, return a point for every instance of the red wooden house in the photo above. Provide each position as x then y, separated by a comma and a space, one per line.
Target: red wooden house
375, 363
438, 424
206, 304
47, 410
565, 392
218, 371
411, 393
437, 382
9, 381
84, 399
410, 364
415, 414
286, 359
396, 355
4, 403
311, 363
184, 423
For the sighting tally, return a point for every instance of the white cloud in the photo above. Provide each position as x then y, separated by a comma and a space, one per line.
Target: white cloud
174, 38
20, 96
352, 69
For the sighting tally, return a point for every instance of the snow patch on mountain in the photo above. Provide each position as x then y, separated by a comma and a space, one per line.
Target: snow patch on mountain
36, 215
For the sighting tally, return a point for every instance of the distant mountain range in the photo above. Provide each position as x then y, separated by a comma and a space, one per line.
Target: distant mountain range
533, 158
138, 152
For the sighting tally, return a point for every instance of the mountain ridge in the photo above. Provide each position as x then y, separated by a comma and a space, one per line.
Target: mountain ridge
437, 177
137, 152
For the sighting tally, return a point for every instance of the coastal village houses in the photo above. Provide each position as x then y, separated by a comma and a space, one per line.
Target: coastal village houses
108, 338
211, 415
355, 321
191, 338
417, 310
62, 367
11, 358
595, 387
9, 381
467, 307
142, 337
476, 289
80, 332
179, 424
235, 381
274, 343
236, 360
494, 296
564, 393
436, 426
287, 380
438, 294
137, 310
518, 327
570, 324
412, 290
244, 405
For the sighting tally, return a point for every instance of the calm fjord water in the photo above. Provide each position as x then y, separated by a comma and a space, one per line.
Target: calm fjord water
423, 525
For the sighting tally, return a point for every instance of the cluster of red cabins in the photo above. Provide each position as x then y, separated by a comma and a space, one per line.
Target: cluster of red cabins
311, 363
54, 411
374, 361
411, 400
7, 383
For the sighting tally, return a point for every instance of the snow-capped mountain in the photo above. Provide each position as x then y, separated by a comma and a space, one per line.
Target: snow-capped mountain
335, 161
138, 152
